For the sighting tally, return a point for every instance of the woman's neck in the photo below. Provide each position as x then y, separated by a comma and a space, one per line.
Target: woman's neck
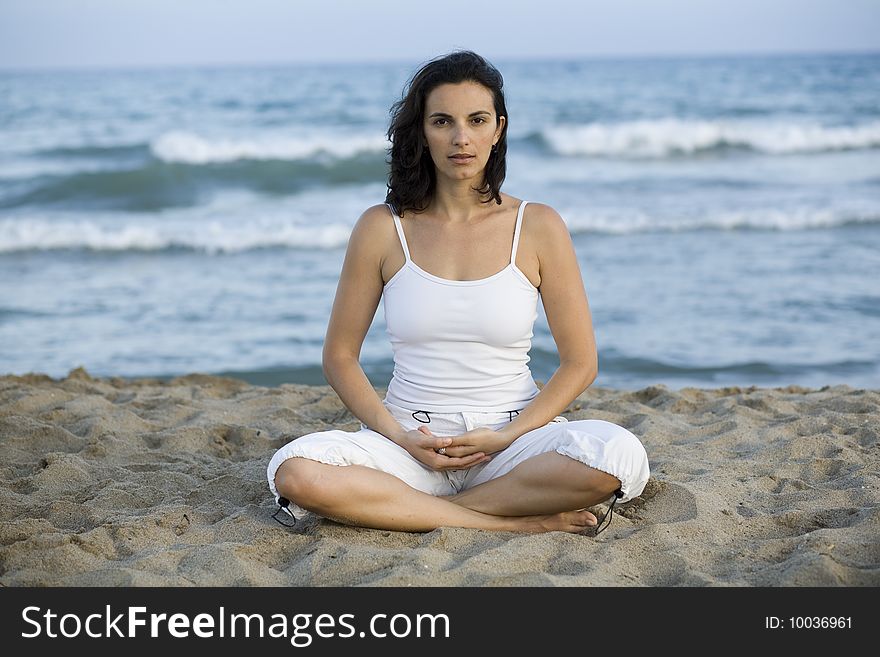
457, 201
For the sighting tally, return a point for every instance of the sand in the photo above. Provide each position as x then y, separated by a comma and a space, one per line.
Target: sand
111, 482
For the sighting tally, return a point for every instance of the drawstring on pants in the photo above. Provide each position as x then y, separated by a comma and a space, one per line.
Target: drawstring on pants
610, 513
283, 503
427, 420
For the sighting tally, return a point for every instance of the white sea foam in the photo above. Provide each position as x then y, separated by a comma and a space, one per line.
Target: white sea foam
191, 148
210, 237
228, 236
24, 169
627, 220
663, 137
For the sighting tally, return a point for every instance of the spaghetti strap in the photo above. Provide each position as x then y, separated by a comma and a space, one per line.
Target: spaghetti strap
400, 234
516, 232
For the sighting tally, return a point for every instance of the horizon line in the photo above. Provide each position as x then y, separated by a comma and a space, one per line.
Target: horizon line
586, 57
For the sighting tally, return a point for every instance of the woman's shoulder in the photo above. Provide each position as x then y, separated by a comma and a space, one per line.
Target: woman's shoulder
375, 219
372, 230
538, 212
541, 212
542, 224
376, 214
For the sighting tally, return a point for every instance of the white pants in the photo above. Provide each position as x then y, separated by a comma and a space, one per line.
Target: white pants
599, 444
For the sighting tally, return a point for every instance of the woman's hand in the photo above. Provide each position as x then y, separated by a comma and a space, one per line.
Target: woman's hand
423, 445
481, 440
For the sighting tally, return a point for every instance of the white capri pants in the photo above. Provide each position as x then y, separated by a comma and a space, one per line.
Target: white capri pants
599, 444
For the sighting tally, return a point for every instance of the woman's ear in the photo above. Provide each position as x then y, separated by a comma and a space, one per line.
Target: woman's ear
500, 129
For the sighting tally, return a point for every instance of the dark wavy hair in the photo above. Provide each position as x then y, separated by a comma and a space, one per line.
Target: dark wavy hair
412, 178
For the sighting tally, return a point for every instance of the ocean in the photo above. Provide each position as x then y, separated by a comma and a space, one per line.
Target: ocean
725, 212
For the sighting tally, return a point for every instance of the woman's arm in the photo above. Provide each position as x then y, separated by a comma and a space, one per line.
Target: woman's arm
357, 297
568, 315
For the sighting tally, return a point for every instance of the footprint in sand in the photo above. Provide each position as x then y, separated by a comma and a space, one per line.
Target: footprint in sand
662, 502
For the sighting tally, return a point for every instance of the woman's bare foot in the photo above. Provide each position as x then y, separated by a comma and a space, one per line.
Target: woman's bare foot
568, 521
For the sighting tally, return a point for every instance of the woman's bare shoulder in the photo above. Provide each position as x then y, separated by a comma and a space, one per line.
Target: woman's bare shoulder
544, 225
373, 228
376, 216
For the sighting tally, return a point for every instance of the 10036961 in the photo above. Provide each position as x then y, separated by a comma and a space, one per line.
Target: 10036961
820, 622
808, 623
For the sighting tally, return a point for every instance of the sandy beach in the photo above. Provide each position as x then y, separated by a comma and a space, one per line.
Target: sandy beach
112, 482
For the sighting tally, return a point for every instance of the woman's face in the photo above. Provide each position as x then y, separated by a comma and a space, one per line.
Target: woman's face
460, 119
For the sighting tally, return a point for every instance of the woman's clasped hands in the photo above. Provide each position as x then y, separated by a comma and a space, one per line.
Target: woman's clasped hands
453, 452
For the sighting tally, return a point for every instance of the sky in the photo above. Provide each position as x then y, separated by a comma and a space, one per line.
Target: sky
36, 34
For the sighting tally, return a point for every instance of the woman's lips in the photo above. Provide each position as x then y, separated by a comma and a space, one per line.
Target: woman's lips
458, 159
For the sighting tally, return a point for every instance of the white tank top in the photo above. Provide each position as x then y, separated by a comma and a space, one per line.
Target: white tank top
460, 345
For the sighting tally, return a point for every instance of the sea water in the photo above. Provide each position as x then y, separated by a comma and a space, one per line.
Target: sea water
725, 212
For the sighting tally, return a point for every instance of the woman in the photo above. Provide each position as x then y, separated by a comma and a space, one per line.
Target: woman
463, 437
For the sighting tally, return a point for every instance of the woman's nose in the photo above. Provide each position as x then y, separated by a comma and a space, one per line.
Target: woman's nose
461, 136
